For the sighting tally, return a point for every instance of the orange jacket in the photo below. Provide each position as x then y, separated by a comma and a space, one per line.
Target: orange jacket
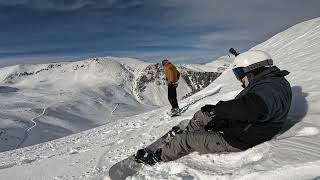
171, 73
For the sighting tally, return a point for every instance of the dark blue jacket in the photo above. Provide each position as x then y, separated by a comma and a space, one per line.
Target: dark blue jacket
258, 111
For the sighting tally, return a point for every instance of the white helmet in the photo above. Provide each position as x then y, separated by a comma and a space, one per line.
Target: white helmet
250, 60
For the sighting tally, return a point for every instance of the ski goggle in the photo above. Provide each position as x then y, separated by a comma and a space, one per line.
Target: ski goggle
240, 72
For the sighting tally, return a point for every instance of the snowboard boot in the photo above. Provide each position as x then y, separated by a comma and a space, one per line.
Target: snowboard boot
176, 130
175, 111
151, 159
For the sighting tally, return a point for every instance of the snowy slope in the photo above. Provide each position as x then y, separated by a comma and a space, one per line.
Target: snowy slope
48, 101
292, 155
221, 63
217, 65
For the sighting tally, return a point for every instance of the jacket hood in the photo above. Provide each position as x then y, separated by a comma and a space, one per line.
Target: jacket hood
273, 71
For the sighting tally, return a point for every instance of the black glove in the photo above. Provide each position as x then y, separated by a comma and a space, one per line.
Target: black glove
210, 125
209, 110
216, 124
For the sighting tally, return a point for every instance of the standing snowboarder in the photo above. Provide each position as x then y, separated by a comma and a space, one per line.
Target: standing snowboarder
172, 76
255, 115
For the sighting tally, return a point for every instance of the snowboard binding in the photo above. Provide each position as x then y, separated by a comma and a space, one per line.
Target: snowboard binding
146, 157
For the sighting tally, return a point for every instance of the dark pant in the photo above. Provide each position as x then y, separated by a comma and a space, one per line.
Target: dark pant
196, 139
172, 95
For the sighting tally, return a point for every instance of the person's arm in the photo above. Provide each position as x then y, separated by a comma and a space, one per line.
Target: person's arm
169, 75
166, 74
250, 107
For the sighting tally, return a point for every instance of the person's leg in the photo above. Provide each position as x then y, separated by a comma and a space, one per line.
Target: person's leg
170, 95
200, 141
198, 121
174, 97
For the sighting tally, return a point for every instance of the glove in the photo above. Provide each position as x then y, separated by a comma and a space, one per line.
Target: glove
209, 110
210, 126
216, 125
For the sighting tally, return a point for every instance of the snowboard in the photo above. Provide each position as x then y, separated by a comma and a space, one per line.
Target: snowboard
173, 114
130, 166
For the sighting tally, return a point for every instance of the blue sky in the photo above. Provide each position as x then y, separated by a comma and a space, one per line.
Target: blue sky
186, 31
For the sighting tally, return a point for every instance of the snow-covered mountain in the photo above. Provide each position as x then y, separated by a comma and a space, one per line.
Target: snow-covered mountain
221, 63
292, 155
43, 102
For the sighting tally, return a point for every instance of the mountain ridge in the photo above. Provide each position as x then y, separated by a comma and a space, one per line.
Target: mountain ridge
89, 93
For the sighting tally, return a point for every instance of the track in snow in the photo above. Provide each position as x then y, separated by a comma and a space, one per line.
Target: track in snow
26, 132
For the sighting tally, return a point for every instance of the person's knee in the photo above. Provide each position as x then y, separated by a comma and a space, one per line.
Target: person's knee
200, 119
198, 113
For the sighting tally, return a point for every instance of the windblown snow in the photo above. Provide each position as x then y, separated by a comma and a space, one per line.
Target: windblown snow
88, 155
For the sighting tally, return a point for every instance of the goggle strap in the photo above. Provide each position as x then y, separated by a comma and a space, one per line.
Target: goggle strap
268, 62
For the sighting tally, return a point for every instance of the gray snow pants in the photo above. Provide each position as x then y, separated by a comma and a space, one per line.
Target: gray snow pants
196, 139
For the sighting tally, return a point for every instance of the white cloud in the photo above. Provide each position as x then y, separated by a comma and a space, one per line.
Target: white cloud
226, 36
192, 28
67, 4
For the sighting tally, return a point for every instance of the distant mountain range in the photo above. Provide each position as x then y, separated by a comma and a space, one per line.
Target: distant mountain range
60, 99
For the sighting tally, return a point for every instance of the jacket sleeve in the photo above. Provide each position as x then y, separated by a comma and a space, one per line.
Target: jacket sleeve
169, 74
250, 108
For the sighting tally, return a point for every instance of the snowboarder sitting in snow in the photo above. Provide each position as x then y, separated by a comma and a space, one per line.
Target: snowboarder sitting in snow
255, 115
172, 76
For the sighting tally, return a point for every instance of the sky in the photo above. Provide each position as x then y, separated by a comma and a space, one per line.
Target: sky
184, 31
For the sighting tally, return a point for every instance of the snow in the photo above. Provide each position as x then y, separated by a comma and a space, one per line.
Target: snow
221, 63
88, 155
47, 101
43, 102
217, 65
